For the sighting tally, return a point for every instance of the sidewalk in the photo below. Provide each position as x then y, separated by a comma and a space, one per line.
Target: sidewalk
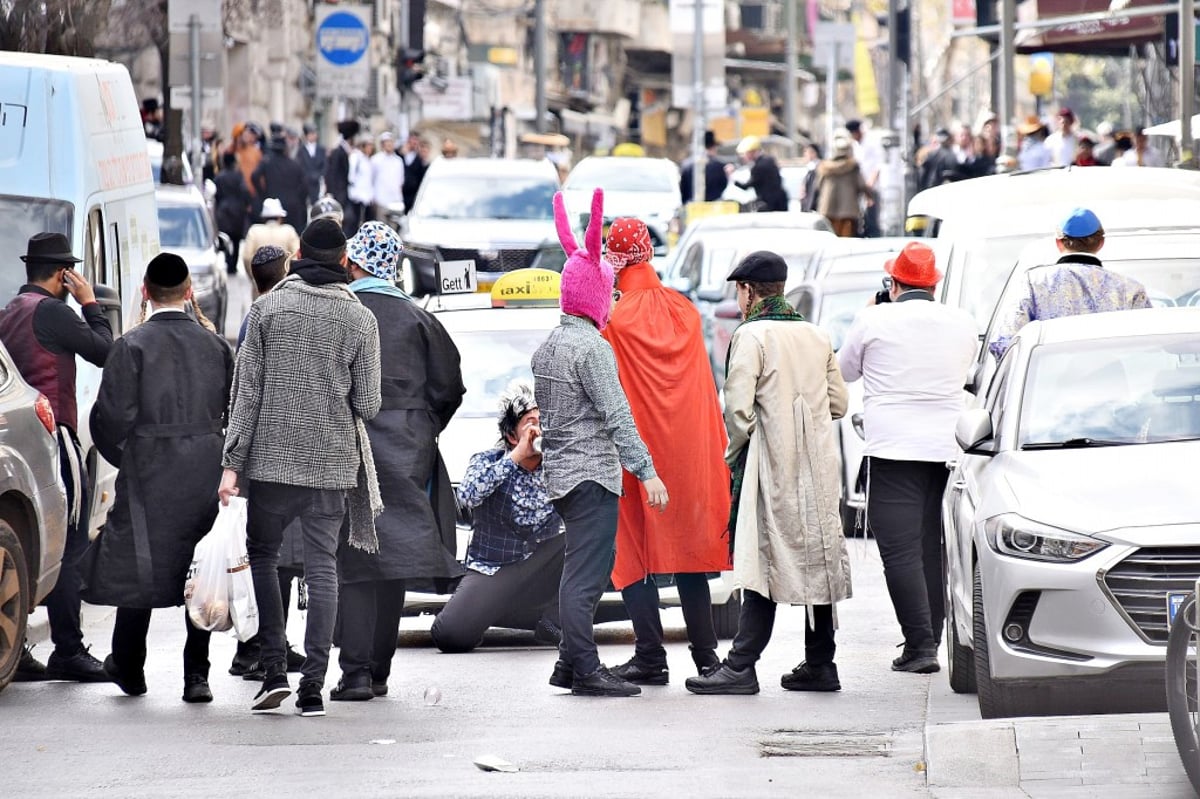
1126, 755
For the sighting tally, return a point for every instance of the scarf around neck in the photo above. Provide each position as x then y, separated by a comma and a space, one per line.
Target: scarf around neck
316, 273
772, 309
375, 285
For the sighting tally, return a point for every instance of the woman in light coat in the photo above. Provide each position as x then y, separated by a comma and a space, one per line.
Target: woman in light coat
783, 390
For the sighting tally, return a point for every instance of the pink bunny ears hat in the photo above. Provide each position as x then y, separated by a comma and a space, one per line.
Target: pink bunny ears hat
587, 279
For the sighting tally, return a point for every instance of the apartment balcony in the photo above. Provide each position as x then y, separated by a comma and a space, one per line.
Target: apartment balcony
654, 32
609, 17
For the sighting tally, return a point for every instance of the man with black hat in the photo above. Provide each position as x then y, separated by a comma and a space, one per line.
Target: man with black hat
337, 172
44, 336
311, 158
715, 179
307, 377
912, 354
782, 392
159, 416
280, 177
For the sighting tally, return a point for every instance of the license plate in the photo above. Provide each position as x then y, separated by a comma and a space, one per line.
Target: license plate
1174, 603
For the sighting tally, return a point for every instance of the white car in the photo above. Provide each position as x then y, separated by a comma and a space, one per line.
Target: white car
1072, 529
643, 188
496, 345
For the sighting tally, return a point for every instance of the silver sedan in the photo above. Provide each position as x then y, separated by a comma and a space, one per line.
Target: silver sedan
1072, 528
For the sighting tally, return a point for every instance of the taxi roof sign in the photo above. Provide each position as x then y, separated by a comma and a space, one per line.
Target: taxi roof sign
527, 288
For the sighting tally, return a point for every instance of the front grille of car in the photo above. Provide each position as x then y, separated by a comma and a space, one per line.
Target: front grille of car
503, 261
1139, 585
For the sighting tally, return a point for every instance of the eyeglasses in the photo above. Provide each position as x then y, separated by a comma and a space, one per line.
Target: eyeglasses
616, 295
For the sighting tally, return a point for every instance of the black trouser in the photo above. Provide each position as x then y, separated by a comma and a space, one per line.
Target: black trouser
62, 603
589, 513
641, 601
231, 257
286, 575
756, 622
272, 507
370, 619
129, 643
904, 513
518, 595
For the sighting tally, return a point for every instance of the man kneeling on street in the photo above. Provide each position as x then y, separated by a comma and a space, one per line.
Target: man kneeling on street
515, 556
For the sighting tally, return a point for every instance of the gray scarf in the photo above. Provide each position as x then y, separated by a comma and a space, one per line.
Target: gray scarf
365, 501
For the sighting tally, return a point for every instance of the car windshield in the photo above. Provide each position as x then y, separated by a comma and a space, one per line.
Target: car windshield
24, 217
1131, 390
633, 175
491, 359
183, 227
983, 270
486, 197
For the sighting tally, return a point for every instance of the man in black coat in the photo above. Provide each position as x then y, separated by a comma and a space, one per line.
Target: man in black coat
715, 179
311, 158
414, 174
423, 388
233, 203
765, 178
941, 165
281, 177
159, 417
337, 168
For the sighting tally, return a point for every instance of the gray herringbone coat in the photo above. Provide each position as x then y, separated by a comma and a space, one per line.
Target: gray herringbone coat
308, 366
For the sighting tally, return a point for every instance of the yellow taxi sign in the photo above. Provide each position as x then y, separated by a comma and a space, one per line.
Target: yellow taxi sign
527, 288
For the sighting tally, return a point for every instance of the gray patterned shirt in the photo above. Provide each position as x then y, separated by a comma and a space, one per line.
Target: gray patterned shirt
587, 430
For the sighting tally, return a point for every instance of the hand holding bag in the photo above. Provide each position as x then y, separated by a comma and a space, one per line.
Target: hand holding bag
219, 592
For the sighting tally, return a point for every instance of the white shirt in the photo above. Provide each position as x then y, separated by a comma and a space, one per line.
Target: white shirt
388, 172
1149, 158
360, 189
869, 158
913, 358
1033, 155
1062, 148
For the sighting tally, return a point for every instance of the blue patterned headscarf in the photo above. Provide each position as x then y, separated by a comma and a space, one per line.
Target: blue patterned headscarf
376, 249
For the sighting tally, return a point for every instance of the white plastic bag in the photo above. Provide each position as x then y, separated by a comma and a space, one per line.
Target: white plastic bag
220, 590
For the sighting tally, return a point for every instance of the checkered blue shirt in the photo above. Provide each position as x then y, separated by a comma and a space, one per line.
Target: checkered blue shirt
513, 513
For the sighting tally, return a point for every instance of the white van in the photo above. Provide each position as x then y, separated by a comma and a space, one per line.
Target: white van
73, 161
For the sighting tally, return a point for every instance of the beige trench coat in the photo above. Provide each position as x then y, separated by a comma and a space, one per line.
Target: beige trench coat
782, 392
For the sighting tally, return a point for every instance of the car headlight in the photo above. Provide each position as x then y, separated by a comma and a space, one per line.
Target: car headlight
1018, 537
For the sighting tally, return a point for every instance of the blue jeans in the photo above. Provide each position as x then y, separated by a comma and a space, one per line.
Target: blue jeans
589, 512
272, 507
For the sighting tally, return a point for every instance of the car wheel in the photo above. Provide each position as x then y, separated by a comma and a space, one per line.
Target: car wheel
960, 659
14, 602
996, 700
725, 617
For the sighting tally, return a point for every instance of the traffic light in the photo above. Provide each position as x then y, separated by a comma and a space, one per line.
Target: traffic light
407, 66
1171, 40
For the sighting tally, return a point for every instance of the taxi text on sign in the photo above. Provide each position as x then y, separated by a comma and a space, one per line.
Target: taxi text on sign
457, 277
343, 40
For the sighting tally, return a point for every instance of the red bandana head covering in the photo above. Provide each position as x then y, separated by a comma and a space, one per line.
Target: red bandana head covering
628, 243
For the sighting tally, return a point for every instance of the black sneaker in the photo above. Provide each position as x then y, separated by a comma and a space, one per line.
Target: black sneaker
195, 689
641, 673
243, 662
29, 668
132, 684
275, 689
725, 680
80, 667
353, 688
917, 661
547, 632
294, 659
563, 675
379, 688
603, 682
255, 673
309, 702
812, 678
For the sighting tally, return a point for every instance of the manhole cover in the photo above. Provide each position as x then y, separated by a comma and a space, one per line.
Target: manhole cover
810, 743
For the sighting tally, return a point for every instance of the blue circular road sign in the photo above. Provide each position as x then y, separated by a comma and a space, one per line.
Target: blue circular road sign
342, 38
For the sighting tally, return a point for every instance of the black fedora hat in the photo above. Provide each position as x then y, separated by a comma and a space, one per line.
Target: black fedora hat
49, 248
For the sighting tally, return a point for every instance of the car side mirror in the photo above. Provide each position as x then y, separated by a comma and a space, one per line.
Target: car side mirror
110, 302
974, 432
225, 244
973, 374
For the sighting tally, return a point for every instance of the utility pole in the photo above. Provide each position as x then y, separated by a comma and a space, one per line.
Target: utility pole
194, 62
700, 116
1187, 79
539, 64
791, 56
894, 120
1006, 101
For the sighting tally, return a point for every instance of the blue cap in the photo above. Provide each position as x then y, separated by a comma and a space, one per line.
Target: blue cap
1079, 224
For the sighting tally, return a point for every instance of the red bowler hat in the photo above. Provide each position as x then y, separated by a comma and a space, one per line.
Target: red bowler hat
914, 266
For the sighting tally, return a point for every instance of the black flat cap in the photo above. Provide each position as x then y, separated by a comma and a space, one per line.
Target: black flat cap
760, 267
167, 270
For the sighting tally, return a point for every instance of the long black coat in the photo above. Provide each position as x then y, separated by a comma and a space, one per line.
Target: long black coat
767, 183
422, 388
337, 174
159, 418
282, 178
314, 170
233, 203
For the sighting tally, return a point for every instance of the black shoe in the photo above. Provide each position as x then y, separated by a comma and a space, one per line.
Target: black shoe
563, 675
547, 632
132, 684
255, 673
725, 680
275, 689
641, 673
708, 669
309, 702
294, 659
917, 661
29, 668
243, 663
195, 689
353, 688
379, 688
603, 682
812, 678
80, 667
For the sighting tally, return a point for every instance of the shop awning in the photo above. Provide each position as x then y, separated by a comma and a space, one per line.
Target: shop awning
1094, 37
